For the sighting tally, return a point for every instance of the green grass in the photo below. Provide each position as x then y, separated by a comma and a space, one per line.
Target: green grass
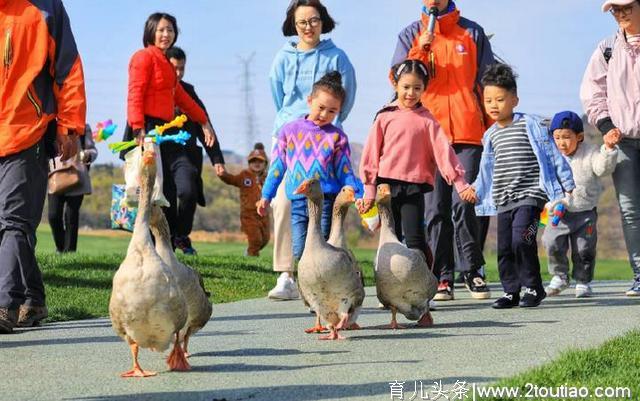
78, 285
614, 364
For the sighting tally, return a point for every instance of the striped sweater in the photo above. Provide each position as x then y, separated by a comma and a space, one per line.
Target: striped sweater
303, 151
516, 175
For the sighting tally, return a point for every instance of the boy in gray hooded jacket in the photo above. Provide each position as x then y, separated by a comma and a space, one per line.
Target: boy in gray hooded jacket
577, 228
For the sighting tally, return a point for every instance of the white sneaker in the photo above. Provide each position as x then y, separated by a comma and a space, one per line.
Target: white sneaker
556, 286
583, 291
285, 289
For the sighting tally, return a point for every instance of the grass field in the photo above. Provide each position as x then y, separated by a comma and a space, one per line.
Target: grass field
78, 287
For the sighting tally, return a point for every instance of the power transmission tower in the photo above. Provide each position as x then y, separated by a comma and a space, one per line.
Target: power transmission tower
250, 121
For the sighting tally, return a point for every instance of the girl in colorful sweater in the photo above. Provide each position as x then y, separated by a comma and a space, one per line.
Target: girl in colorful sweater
312, 147
404, 147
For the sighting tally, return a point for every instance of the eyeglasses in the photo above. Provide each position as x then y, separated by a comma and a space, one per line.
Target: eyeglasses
313, 22
621, 11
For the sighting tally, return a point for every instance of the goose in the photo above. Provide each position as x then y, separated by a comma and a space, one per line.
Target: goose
404, 281
199, 307
326, 276
147, 307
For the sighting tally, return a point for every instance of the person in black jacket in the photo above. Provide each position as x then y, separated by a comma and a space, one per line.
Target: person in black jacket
182, 167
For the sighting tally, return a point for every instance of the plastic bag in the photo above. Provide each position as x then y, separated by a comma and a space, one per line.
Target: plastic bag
122, 216
371, 219
131, 172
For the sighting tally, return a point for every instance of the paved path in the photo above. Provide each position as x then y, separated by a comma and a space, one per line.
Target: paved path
256, 350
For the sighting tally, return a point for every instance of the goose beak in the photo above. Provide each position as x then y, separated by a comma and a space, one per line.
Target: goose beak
383, 191
351, 194
302, 188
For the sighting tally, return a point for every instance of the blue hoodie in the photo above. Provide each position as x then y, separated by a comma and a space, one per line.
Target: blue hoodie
294, 72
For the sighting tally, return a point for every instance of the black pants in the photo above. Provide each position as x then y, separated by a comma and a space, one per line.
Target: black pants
180, 187
453, 222
518, 262
408, 215
64, 216
23, 188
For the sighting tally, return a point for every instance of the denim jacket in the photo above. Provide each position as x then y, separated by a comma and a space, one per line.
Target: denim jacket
555, 171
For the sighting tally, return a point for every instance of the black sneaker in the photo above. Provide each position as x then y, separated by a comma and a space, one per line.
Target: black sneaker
507, 301
476, 285
532, 297
184, 244
445, 291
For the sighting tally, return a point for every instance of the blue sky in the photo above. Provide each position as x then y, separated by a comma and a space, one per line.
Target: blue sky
548, 42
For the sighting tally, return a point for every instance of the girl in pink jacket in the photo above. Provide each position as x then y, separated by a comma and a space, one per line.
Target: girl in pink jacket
404, 147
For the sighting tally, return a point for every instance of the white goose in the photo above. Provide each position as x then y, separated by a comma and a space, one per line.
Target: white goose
147, 308
404, 282
199, 307
326, 275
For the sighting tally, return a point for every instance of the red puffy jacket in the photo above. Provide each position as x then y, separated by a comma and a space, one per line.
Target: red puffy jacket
154, 90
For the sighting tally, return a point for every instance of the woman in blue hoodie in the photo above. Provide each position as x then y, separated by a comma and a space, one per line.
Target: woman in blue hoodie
297, 66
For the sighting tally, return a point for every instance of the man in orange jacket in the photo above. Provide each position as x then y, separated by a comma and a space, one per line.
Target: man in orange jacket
456, 54
42, 108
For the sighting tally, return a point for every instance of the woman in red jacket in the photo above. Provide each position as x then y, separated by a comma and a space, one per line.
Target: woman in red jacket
154, 93
153, 86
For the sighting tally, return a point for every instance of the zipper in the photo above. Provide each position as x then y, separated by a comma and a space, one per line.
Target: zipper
7, 54
32, 99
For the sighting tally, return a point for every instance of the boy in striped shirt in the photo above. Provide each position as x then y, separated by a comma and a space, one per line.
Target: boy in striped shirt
521, 169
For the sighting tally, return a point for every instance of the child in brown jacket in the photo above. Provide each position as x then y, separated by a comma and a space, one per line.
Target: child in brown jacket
250, 182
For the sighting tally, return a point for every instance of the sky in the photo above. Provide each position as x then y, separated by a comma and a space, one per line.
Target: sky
548, 42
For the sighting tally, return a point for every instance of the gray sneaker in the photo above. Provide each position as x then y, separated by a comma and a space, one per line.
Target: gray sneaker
32, 315
8, 320
557, 285
634, 291
584, 290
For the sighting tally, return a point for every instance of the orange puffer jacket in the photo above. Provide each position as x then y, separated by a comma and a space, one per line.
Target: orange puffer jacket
154, 90
459, 55
41, 75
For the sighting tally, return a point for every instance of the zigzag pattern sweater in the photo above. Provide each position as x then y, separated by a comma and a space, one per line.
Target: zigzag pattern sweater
307, 151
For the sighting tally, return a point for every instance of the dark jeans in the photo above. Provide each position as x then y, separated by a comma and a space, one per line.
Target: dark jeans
300, 222
518, 262
453, 222
64, 216
408, 216
23, 188
180, 187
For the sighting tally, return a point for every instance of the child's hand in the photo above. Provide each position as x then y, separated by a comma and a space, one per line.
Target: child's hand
612, 138
469, 195
262, 205
220, 170
364, 205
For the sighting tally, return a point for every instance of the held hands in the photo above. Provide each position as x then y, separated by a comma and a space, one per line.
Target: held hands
209, 134
612, 138
364, 205
67, 146
262, 205
220, 169
469, 195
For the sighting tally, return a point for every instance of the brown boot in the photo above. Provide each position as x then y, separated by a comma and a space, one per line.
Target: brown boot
8, 320
32, 315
